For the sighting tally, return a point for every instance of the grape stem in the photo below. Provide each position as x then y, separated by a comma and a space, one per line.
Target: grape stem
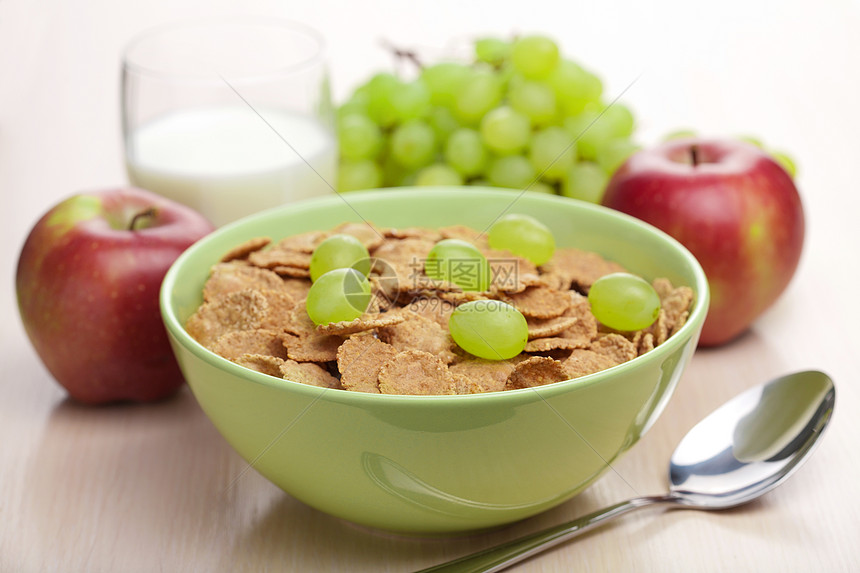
694, 155
403, 54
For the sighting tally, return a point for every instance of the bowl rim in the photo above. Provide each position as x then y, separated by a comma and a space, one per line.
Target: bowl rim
511, 397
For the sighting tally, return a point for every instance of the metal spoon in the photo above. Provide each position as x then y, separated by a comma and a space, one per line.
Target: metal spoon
742, 450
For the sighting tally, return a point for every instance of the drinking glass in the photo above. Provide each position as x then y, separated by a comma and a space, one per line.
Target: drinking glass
229, 117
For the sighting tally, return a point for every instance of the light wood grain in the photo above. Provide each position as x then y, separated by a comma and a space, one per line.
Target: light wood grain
155, 488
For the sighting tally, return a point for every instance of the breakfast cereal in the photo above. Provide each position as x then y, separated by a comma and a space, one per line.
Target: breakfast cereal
233, 345
359, 359
231, 277
536, 371
245, 249
254, 314
415, 372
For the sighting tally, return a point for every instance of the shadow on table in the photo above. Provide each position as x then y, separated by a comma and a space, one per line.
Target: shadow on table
285, 532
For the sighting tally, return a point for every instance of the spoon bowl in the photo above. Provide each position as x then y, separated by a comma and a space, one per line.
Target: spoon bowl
753, 442
739, 452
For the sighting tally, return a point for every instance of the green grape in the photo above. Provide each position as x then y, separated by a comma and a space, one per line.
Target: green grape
492, 50
438, 174
534, 57
507, 75
459, 262
339, 295
444, 81
585, 181
410, 100
576, 106
569, 81
589, 131
413, 144
541, 187
593, 87
353, 175
478, 95
358, 137
505, 130
357, 104
535, 100
679, 134
465, 152
524, 236
443, 122
624, 302
511, 171
489, 329
612, 155
379, 91
552, 152
786, 162
393, 174
339, 252
619, 120
574, 87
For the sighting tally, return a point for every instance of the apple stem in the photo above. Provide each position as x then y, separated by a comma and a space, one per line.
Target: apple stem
694, 155
147, 213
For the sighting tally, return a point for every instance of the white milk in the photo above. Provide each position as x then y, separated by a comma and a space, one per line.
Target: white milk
226, 162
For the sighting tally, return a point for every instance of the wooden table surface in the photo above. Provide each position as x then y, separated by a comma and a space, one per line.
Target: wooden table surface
148, 487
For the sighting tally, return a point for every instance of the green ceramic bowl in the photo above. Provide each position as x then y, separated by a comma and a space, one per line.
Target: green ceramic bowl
437, 464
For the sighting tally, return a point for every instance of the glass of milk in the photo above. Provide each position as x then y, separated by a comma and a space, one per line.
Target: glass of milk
229, 117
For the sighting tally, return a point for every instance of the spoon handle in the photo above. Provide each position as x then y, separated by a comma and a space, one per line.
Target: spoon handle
503, 556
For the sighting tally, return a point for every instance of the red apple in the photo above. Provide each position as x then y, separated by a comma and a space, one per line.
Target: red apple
734, 207
87, 282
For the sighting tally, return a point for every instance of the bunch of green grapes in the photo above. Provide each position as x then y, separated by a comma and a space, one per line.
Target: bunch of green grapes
519, 116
